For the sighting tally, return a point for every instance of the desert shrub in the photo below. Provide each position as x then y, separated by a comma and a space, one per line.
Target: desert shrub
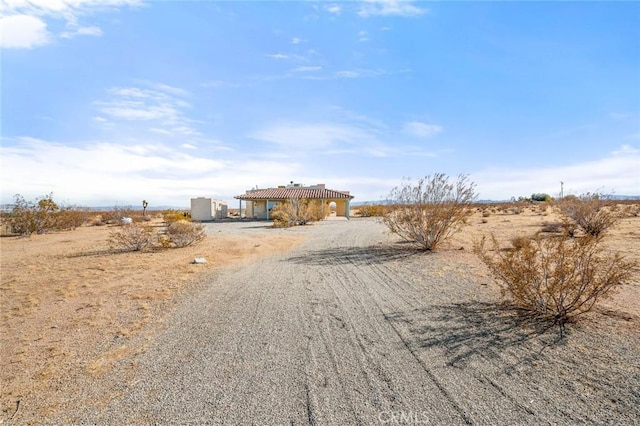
170, 216
283, 215
486, 213
556, 277
519, 242
372, 210
589, 212
28, 217
541, 197
295, 212
183, 233
430, 210
70, 218
131, 237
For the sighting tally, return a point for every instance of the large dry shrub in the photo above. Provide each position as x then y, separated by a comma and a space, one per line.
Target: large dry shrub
556, 277
131, 237
183, 233
591, 212
430, 210
296, 212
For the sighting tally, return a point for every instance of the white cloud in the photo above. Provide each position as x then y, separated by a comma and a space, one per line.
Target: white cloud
296, 40
33, 32
23, 32
278, 56
334, 8
89, 31
404, 8
362, 36
421, 130
347, 74
619, 173
306, 69
104, 173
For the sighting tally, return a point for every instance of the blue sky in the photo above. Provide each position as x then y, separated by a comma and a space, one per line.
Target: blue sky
109, 102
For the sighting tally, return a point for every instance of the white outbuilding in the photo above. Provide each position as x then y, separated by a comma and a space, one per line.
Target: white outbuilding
205, 209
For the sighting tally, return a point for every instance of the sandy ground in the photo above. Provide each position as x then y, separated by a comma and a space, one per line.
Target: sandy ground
333, 323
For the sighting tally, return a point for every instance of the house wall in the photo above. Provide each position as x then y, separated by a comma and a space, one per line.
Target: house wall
204, 209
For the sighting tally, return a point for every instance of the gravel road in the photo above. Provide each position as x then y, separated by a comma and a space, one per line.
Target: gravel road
354, 329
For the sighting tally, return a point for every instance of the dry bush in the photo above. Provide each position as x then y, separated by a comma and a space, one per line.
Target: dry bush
131, 237
283, 215
183, 233
590, 213
70, 218
372, 210
295, 212
557, 277
170, 216
430, 210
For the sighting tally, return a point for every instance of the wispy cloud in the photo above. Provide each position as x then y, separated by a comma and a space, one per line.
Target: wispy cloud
25, 22
404, 8
333, 8
306, 69
163, 107
278, 56
422, 130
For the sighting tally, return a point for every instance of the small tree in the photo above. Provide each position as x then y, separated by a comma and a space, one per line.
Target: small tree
430, 210
556, 277
589, 212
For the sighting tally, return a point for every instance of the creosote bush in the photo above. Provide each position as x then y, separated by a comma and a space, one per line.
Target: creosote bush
430, 210
590, 212
43, 215
131, 237
556, 277
295, 212
183, 233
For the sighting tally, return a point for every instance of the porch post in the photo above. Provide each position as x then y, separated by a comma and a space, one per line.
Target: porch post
267, 209
346, 213
240, 209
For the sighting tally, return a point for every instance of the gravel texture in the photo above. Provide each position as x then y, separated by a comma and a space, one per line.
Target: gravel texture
352, 328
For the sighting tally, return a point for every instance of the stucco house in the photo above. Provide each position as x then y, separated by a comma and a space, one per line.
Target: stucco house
206, 209
259, 202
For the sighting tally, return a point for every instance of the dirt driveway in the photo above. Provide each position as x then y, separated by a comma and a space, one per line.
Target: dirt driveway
353, 328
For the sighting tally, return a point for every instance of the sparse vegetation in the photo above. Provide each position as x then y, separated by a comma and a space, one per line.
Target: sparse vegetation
372, 210
556, 277
131, 237
183, 233
43, 215
430, 210
590, 212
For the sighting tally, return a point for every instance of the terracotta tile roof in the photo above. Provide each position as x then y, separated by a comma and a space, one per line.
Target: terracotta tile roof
292, 193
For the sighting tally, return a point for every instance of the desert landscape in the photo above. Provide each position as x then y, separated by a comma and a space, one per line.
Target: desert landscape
337, 322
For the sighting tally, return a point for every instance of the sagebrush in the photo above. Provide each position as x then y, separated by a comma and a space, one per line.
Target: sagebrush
556, 277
